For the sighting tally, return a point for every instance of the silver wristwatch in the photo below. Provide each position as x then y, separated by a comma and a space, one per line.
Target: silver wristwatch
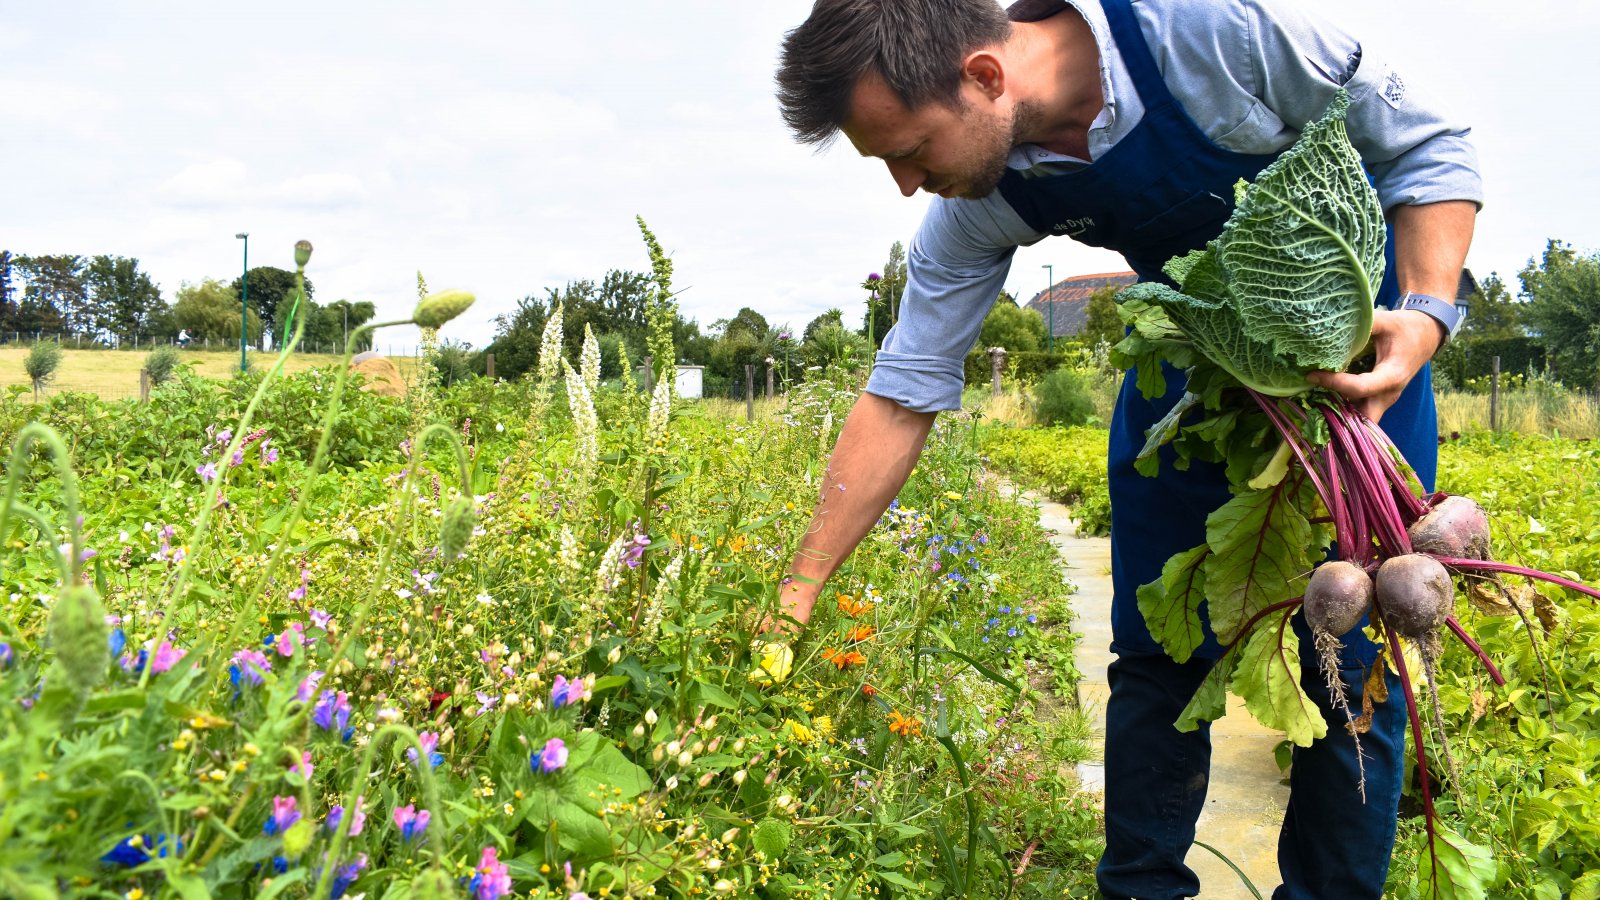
1448, 315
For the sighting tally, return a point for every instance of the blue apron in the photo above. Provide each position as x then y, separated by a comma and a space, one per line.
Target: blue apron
1161, 191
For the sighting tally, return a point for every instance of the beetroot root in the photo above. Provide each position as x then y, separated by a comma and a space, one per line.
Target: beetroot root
1455, 527
1339, 594
1415, 594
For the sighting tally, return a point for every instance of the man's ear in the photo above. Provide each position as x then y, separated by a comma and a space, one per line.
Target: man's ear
983, 70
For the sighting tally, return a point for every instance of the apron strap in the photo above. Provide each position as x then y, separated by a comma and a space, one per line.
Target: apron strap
1136, 54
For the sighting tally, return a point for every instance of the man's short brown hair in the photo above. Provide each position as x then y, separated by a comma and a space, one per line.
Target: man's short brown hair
916, 46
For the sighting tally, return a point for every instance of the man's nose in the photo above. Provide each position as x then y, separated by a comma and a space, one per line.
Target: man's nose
907, 176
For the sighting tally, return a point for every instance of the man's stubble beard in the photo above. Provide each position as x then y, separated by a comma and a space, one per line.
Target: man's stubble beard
997, 138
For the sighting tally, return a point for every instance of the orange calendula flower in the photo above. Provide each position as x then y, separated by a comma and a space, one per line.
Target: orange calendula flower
903, 726
843, 659
862, 633
850, 606
869, 690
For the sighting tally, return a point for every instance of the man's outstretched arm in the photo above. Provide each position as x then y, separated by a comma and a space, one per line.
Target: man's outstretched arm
877, 449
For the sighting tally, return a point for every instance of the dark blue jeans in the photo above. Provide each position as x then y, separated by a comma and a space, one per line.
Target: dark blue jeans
1332, 845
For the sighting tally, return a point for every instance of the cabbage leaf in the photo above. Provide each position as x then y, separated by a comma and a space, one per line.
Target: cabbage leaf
1288, 286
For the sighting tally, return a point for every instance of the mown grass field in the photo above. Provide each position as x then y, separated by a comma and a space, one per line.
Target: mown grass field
114, 374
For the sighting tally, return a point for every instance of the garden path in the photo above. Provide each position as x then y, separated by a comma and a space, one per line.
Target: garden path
1246, 797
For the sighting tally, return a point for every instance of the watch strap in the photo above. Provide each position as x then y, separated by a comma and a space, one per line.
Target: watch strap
1447, 314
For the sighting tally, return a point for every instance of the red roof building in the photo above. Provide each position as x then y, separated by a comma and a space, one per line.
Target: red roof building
1070, 299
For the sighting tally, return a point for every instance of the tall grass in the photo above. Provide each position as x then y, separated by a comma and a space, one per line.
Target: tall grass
1540, 408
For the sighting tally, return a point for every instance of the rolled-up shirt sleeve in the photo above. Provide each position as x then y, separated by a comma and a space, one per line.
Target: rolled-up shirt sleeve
1415, 152
955, 269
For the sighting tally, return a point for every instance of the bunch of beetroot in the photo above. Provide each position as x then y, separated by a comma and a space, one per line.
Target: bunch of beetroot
1399, 550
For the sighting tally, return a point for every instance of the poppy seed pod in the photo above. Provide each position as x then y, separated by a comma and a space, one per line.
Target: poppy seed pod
78, 634
436, 309
456, 529
302, 253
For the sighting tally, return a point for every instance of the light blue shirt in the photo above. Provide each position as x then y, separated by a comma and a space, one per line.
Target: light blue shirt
1251, 74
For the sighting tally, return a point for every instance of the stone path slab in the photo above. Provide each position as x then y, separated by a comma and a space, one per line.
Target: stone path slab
1245, 801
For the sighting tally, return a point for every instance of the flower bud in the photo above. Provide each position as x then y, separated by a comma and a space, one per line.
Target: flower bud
650, 716
436, 309
684, 759
78, 634
302, 253
740, 776
456, 529
638, 730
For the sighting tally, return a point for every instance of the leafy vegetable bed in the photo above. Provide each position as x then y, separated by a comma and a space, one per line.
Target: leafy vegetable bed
1068, 464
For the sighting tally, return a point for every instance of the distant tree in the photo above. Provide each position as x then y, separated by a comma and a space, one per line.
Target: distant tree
54, 298
126, 303
1492, 311
325, 325
516, 338
209, 311
1102, 323
894, 281
1563, 310
268, 286
832, 317
8, 293
831, 344
1012, 327
455, 362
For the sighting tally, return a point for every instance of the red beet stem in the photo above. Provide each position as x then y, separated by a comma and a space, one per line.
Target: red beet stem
1483, 565
1478, 651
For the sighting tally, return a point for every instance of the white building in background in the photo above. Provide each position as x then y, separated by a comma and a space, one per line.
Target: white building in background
689, 382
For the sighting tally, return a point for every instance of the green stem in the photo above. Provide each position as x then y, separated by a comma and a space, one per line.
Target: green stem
61, 459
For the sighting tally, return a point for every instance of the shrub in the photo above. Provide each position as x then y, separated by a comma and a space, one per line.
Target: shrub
162, 364
1063, 397
42, 362
455, 362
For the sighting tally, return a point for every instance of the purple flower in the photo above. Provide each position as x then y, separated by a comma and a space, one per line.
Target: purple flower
269, 454
206, 471
5, 655
429, 740
634, 554
249, 665
290, 640
490, 880
551, 758
304, 768
87, 554
346, 875
566, 692
321, 619
357, 822
224, 436
785, 336
299, 593
487, 702
874, 277
308, 686
285, 812
332, 712
167, 656
411, 822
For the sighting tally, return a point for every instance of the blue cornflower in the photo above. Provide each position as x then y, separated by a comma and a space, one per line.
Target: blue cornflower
117, 640
1032, 619
1004, 610
1011, 632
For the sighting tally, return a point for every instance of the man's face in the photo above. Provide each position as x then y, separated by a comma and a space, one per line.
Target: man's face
952, 151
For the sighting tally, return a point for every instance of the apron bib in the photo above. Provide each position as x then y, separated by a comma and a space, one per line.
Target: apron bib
1161, 191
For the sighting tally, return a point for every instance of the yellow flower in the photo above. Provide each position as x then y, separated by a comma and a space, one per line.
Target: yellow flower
774, 662
800, 732
952, 495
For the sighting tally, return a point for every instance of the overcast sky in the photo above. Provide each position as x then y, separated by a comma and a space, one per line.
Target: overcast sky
505, 147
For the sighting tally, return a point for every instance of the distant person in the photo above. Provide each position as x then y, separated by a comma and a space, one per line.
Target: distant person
183, 337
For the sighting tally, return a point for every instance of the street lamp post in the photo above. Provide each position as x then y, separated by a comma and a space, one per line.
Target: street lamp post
244, 302
1050, 303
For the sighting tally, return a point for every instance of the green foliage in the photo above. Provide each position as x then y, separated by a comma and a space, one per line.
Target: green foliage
209, 311
662, 310
1024, 367
638, 592
1528, 751
1068, 464
455, 362
269, 286
1493, 313
41, 363
162, 363
1466, 360
326, 327
1102, 324
125, 302
1563, 310
834, 345
1064, 397
1289, 284
1013, 328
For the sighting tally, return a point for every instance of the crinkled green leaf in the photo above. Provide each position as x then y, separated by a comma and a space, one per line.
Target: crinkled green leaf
1260, 552
1464, 871
1268, 680
1289, 284
1171, 603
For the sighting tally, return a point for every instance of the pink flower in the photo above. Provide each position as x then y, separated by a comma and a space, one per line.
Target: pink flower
167, 656
308, 686
357, 823
411, 822
490, 880
552, 757
304, 768
291, 639
285, 812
